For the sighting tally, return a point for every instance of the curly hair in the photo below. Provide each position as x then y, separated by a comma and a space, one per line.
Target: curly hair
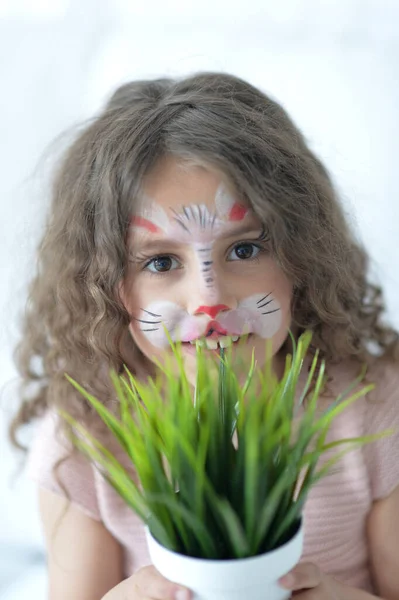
75, 321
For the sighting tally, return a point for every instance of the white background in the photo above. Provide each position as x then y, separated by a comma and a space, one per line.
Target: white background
333, 64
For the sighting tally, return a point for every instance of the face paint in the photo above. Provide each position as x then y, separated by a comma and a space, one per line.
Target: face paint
197, 227
259, 314
227, 208
212, 311
207, 289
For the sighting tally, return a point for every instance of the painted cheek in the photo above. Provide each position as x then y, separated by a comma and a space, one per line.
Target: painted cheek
266, 315
269, 326
257, 314
158, 316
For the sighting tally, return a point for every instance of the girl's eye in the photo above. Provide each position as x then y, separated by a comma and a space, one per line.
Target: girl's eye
244, 250
161, 264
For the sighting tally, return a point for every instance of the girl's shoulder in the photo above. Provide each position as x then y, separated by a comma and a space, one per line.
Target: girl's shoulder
378, 409
381, 372
377, 412
54, 464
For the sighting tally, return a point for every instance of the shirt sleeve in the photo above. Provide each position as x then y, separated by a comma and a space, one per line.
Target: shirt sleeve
382, 412
76, 473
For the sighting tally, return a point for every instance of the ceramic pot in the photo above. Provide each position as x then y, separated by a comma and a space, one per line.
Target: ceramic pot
253, 578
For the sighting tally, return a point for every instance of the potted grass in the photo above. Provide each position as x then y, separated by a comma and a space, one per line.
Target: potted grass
222, 473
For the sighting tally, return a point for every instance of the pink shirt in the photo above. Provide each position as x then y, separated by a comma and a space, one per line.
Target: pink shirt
336, 509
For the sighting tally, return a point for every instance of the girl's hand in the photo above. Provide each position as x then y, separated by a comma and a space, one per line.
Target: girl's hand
147, 584
307, 582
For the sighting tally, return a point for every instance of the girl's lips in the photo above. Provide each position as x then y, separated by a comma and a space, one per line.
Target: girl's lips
216, 330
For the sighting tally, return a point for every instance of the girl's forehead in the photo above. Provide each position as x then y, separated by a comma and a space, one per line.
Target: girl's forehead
188, 205
172, 186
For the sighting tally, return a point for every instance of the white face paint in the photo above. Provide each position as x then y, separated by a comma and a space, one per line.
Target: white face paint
259, 314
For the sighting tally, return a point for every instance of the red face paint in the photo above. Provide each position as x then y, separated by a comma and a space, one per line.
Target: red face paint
212, 311
145, 223
237, 212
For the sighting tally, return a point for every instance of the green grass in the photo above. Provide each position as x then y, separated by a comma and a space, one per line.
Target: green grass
200, 494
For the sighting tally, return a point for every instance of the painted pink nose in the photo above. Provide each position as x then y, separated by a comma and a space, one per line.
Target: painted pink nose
212, 311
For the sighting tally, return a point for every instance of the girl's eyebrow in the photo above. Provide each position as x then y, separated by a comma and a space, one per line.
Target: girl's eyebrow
151, 242
244, 229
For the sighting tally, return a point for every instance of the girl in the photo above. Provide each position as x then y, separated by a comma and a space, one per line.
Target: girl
196, 204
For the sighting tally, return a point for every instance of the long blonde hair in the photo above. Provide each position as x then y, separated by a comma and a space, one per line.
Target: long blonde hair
75, 321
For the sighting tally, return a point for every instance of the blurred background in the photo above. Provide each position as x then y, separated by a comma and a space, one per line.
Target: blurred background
333, 64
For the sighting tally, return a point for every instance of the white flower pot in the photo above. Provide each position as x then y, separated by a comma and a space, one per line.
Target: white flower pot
252, 578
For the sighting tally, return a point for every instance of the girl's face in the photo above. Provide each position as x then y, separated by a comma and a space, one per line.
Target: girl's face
199, 264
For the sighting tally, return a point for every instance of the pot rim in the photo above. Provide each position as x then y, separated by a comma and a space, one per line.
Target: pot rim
273, 554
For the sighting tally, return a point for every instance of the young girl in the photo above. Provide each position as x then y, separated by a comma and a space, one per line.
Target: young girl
196, 204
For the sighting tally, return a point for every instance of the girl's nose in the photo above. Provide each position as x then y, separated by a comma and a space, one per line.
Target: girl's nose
210, 298
203, 303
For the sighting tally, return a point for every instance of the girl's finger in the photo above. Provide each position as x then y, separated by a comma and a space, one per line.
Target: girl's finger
152, 584
304, 575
